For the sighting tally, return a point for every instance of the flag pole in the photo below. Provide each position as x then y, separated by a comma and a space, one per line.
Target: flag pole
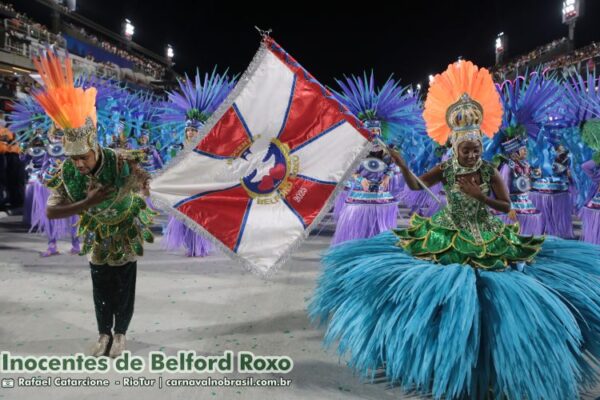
419, 181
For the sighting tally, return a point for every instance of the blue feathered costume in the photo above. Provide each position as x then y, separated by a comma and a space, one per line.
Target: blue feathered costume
369, 206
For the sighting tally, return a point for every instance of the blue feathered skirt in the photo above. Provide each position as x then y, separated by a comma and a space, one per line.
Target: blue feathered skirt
454, 332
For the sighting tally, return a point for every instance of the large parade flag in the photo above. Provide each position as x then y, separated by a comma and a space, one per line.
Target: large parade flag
266, 166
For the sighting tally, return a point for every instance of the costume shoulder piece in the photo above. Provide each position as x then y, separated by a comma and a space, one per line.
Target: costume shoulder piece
74, 183
131, 176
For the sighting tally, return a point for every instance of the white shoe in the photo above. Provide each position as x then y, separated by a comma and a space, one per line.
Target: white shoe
101, 347
118, 345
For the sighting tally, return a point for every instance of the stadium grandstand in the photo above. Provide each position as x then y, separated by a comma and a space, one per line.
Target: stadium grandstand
93, 48
557, 55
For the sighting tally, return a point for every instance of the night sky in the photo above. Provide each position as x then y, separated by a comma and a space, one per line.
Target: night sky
411, 40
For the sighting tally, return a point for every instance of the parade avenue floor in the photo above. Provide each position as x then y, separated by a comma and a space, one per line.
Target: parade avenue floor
207, 305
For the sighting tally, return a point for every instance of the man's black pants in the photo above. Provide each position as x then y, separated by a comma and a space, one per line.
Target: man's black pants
114, 295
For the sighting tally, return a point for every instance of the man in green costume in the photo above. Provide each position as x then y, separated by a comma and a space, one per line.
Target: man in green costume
106, 189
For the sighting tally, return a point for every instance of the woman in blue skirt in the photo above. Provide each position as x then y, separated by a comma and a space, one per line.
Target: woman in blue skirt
459, 305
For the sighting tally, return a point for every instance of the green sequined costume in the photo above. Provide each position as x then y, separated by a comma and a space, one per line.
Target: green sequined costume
113, 231
465, 231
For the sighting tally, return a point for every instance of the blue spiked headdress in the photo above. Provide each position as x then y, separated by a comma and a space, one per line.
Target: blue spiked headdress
195, 101
585, 94
397, 108
532, 104
395, 111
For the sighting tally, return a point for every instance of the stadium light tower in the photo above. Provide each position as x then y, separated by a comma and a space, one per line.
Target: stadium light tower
501, 42
128, 29
170, 54
572, 10
71, 4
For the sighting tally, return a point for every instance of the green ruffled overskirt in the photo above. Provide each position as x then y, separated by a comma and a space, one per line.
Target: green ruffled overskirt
496, 251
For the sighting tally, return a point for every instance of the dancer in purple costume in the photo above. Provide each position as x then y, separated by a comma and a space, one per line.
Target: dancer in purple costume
393, 114
534, 106
516, 173
590, 213
583, 93
176, 234
43, 156
186, 112
396, 188
370, 207
152, 161
552, 196
33, 156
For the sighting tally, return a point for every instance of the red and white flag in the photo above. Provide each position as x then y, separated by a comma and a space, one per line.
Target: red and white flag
267, 163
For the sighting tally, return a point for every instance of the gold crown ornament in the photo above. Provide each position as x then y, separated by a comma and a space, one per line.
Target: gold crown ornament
464, 119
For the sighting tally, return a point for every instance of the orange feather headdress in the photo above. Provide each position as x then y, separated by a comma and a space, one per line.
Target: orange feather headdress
462, 103
72, 108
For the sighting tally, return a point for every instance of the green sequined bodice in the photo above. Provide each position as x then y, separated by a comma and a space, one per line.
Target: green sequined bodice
114, 230
465, 231
463, 212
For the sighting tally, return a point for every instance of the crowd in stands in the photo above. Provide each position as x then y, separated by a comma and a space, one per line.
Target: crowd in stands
21, 23
20, 29
585, 57
16, 86
144, 65
7, 7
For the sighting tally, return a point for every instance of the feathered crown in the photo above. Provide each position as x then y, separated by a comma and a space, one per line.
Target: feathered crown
462, 103
71, 108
